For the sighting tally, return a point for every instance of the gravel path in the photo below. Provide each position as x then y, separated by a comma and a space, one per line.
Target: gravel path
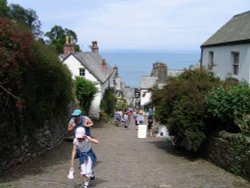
124, 161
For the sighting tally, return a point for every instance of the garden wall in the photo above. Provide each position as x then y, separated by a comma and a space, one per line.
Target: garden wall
229, 151
15, 149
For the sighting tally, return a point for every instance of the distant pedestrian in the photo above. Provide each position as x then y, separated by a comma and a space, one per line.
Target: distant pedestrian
150, 121
87, 159
118, 117
140, 118
125, 121
135, 119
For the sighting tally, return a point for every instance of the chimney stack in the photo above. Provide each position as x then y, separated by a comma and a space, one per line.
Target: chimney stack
69, 46
104, 65
160, 71
94, 47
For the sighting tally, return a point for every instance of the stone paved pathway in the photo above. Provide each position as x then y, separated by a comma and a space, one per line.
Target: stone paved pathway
124, 161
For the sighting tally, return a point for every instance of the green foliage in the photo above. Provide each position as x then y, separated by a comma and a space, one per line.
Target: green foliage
243, 123
241, 152
32, 79
57, 38
15, 54
85, 93
27, 17
230, 105
108, 102
121, 104
47, 82
181, 104
4, 9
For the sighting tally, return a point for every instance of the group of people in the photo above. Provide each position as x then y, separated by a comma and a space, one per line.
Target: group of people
82, 149
123, 118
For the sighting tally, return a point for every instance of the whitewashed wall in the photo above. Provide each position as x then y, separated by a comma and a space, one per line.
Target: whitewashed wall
74, 65
145, 96
223, 60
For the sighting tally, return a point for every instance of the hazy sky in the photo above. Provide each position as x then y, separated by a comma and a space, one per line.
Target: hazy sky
137, 24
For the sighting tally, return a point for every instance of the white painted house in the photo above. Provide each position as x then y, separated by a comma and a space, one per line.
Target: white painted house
227, 52
157, 78
147, 83
91, 66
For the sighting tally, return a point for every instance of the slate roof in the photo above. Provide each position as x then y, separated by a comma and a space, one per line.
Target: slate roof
235, 31
93, 62
148, 82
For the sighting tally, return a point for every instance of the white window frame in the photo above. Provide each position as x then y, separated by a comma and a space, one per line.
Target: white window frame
211, 59
235, 62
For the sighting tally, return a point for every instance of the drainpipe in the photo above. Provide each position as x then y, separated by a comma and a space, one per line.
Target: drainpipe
201, 57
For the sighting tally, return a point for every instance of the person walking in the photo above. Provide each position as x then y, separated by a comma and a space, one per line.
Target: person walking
135, 119
150, 121
125, 121
140, 118
79, 120
118, 117
87, 158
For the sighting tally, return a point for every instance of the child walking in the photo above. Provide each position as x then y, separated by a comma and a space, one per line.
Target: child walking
87, 159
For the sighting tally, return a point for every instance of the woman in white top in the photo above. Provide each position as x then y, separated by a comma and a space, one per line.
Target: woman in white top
87, 159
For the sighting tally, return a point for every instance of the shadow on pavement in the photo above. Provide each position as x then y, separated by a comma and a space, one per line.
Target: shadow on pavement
44, 164
168, 147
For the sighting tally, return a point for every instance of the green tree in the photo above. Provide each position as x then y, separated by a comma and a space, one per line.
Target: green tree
85, 93
57, 38
4, 9
108, 102
181, 105
27, 17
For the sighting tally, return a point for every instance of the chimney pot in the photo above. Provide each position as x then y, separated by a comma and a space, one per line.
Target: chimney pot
69, 47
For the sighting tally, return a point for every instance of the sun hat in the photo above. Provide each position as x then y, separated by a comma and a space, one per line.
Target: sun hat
76, 112
80, 132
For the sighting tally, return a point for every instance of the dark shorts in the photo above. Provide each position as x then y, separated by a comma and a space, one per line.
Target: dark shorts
150, 125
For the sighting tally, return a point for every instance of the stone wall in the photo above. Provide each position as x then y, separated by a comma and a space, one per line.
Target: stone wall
16, 150
229, 151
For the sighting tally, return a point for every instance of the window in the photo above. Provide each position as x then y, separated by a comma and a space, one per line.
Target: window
81, 72
236, 59
211, 59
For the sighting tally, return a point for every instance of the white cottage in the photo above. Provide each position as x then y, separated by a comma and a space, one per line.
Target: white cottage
157, 78
91, 66
227, 52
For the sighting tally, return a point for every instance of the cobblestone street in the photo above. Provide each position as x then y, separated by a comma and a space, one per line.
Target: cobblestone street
124, 161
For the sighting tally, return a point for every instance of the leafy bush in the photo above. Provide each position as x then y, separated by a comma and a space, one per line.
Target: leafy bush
181, 105
121, 103
230, 106
47, 84
85, 92
108, 103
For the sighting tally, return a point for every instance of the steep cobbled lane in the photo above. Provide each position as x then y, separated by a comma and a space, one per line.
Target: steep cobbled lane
124, 161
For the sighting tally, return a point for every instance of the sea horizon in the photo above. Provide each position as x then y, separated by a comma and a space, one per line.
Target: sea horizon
132, 64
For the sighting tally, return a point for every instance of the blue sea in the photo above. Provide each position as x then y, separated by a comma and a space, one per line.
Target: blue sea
133, 65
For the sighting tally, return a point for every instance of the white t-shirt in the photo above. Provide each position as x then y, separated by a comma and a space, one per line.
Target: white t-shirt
83, 146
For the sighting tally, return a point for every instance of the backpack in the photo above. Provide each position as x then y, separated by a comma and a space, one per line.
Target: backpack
117, 115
